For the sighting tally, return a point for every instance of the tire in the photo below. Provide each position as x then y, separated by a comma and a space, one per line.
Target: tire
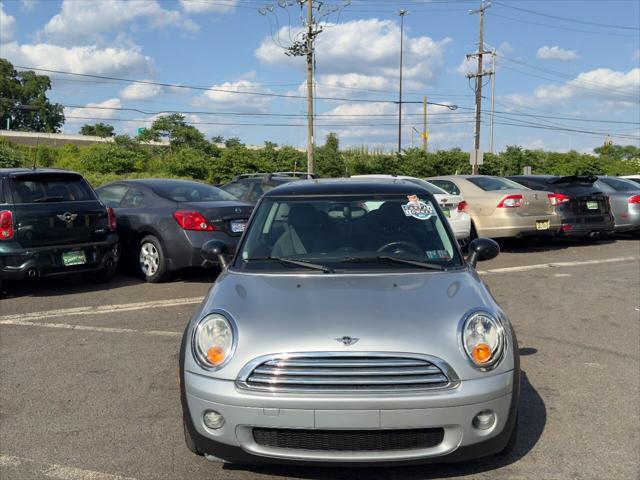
151, 260
513, 438
103, 275
189, 441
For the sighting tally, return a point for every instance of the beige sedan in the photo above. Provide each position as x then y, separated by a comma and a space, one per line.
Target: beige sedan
501, 208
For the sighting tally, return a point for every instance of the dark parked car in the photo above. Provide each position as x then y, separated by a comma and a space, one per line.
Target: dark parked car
51, 223
249, 187
624, 198
163, 223
584, 208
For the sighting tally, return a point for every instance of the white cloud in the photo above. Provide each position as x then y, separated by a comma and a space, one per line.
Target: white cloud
221, 95
85, 59
7, 25
85, 21
602, 84
556, 53
140, 91
93, 113
362, 53
202, 6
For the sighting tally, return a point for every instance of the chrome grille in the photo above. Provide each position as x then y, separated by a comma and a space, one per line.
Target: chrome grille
339, 372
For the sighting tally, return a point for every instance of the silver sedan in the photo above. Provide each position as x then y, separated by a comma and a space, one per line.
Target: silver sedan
624, 197
349, 329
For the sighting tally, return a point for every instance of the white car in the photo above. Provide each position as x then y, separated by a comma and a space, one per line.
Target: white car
453, 206
633, 178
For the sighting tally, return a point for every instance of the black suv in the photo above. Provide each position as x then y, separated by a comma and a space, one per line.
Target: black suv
584, 209
249, 187
51, 223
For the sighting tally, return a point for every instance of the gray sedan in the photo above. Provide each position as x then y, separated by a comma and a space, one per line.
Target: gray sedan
624, 197
349, 330
163, 223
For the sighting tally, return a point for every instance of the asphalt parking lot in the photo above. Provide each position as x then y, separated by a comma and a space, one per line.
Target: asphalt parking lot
88, 375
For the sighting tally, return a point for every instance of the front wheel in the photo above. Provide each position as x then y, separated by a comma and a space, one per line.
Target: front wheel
151, 260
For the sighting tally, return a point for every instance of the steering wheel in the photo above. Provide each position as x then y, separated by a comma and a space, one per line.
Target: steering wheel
399, 247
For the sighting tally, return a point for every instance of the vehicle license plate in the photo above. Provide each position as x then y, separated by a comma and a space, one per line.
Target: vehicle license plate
592, 205
238, 226
73, 258
447, 212
542, 224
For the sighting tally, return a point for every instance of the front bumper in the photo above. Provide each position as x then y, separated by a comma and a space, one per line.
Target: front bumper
452, 410
17, 262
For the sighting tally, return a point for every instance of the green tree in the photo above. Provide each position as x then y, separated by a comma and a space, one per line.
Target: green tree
9, 155
233, 142
24, 103
217, 139
179, 133
98, 130
330, 162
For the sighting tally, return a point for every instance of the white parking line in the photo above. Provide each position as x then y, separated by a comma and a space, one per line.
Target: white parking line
59, 472
68, 326
102, 309
524, 268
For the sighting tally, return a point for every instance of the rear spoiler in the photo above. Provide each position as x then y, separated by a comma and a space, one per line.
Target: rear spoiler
574, 179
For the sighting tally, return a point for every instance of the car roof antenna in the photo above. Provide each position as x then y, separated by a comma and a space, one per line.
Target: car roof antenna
35, 152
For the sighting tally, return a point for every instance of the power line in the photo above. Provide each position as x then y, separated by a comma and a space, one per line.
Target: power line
212, 89
566, 19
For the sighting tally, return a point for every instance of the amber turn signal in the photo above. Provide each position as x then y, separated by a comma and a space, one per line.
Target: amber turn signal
215, 355
481, 353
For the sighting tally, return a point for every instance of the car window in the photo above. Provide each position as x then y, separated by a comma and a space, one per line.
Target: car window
448, 186
36, 189
112, 195
433, 189
492, 184
237, 189
619, 184
347, 233
191, 192
133, 199
258, 191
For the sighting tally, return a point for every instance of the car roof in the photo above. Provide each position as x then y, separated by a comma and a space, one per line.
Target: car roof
19, 172
346, 187
154, 182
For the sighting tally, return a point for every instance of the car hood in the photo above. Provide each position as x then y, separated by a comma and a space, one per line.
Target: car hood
404, 312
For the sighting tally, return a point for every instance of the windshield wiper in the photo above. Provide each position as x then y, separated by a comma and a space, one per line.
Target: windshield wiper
405, 261
49, 199
292, 261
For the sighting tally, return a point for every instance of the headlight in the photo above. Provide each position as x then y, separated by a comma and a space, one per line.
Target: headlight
213, 341
483, 339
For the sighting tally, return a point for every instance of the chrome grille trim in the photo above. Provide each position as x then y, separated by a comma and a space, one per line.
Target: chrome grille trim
346, 372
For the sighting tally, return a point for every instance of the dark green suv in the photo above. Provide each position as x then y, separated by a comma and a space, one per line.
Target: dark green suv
52, 223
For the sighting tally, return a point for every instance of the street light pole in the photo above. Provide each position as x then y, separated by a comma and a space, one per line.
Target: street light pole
402, 13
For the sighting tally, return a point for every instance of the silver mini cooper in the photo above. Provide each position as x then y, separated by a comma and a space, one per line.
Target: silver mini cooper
349, 329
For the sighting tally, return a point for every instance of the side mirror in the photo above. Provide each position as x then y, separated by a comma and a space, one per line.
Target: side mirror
482, 249
214, 251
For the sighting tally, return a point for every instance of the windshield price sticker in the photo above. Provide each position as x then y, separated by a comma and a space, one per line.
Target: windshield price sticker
416, 208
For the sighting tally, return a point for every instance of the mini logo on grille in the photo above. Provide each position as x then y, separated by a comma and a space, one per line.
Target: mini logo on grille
67, 217
347, 341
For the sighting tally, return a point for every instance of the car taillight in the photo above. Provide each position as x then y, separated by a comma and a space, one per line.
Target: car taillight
111, 215
192, 221
634, 199
462, 206
6, 225
511, 201
558, 198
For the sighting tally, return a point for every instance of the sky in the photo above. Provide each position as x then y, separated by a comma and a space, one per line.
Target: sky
567, 72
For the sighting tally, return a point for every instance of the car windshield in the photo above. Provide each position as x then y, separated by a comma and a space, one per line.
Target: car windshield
56, 188
191, 192
492, 184
329, 234
620, 184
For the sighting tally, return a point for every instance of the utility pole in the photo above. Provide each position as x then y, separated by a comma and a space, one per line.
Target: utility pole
425, 134
493, 97
402, 13
311, 163
478, 78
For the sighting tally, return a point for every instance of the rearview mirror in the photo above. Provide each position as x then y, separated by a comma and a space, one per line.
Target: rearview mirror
482, 249
214, 251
